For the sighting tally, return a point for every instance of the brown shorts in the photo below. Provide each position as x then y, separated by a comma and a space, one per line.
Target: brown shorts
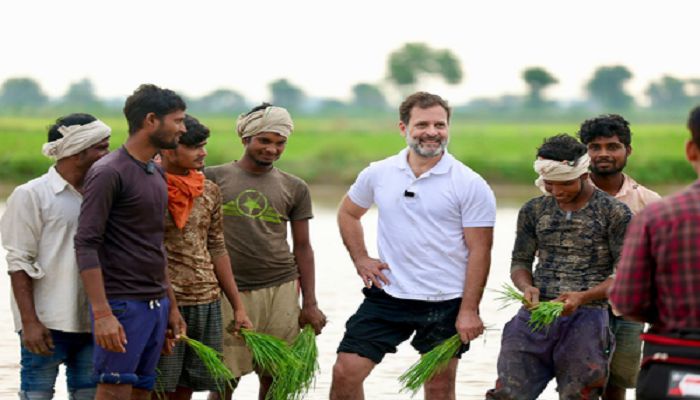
273, 310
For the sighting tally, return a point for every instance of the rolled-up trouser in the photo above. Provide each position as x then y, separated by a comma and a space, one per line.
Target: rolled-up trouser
575, 350
144, 322
38, 372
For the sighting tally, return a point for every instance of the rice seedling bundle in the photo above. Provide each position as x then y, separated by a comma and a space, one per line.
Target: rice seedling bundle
212, 362
304, 347
541, 315
273, 356
301, 379
430, 364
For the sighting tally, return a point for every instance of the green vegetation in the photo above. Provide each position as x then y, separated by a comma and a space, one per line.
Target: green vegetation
305, 349
541, 315
273, 356
334, 150
429, 364
213, 362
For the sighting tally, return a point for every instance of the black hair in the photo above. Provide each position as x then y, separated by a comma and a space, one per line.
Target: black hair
561, 147
694, 125
262, 106
195, 134
68, 120
149, 98
421, 100
606, 125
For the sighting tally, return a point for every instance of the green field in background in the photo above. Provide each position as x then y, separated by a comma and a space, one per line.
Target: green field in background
333, 151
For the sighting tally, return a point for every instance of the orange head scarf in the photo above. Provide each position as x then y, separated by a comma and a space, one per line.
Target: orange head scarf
182, 190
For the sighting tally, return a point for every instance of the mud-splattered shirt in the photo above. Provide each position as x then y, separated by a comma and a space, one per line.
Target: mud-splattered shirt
190, 250
576, 250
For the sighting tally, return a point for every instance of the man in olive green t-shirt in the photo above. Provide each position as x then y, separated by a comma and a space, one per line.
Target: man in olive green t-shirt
259, 200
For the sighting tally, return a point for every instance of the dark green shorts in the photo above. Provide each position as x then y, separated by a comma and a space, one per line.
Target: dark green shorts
383, 322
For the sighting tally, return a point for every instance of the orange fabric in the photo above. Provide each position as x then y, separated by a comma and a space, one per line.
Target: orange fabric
182, 190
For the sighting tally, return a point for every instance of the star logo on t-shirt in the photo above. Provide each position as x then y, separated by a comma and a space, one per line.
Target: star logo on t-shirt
252, 204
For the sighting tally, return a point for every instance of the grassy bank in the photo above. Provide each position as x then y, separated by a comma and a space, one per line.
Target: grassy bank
327, 151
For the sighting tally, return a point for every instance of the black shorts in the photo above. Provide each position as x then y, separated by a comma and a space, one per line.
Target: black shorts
383, 322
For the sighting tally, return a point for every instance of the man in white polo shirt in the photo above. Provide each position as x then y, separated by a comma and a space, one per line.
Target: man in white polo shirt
436, 220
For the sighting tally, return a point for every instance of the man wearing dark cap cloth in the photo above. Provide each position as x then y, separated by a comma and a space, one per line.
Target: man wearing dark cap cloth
259, 200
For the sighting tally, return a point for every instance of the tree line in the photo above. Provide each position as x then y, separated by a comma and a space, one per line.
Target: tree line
407, 68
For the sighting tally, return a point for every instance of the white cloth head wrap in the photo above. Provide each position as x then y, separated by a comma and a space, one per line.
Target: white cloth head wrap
270, 119
76, 138
561, 171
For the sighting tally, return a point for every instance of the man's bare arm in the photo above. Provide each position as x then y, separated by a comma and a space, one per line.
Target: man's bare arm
479, 242
304, 256
35, 336
227, 282
369, 269
108, 332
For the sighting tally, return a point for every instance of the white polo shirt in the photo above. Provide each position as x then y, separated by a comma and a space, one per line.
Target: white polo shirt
421, 237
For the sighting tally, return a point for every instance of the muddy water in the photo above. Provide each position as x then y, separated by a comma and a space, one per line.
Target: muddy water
338, 291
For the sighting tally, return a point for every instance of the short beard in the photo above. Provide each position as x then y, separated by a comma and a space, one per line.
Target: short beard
157, 141
608, 172
416, 147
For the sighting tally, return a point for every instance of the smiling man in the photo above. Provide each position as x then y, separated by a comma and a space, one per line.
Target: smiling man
199, 268
120, 252
576, 233
436, 220
260, 203
609, 141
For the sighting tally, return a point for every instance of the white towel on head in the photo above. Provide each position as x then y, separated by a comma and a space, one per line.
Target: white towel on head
76, 138
561, 171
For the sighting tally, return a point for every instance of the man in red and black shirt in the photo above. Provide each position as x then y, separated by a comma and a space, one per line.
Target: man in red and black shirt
658, 277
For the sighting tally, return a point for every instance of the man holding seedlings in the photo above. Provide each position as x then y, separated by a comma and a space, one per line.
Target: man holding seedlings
657, 283
198, 264
576, 232
609, 139
48, 303
436, 220
259, 200
120, 252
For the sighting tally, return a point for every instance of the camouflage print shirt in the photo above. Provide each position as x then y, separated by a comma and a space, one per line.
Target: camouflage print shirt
190, 250
576, 250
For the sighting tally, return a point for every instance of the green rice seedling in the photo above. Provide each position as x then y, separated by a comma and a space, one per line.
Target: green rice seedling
212, 362
273, 356
304, 347
430, 364
544, 314
541, 315
510, 295
305, 350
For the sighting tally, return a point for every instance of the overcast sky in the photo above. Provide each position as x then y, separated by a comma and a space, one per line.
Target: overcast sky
325, 47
